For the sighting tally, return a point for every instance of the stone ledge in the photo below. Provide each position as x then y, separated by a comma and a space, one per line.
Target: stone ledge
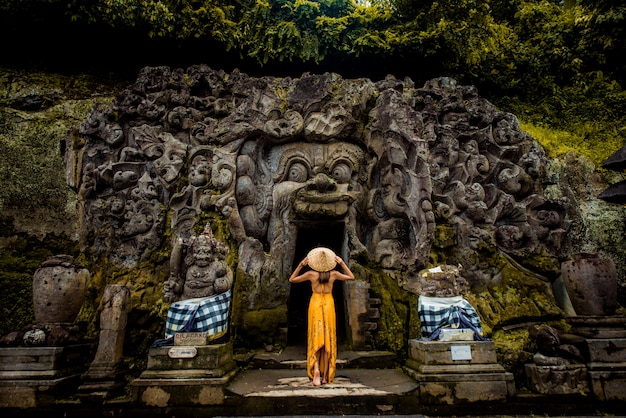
29, 393
567, 379
217, 356
353, 383
188, 373
607, 350
439, 352
608, 385
451, 389
163, 392
455, 368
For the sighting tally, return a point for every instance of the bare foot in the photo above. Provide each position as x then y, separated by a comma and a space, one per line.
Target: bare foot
316, 378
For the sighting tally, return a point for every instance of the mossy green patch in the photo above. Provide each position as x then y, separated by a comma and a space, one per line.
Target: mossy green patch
260, 326
444, 236
147, 310
399, 319
514, 348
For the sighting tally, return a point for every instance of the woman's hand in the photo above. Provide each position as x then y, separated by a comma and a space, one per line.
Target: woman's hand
296, 277
348, 273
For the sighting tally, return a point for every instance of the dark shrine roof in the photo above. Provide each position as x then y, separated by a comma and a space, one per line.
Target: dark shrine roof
615, 193
617, 161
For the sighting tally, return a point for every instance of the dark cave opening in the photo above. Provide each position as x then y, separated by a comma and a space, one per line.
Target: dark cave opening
313, 234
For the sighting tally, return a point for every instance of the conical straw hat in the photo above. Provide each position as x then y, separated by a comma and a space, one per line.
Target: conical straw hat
321, 259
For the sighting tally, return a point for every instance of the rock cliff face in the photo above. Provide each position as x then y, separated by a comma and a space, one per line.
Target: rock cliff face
394, 177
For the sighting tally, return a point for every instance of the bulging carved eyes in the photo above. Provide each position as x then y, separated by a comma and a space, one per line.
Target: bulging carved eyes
342, 173
298, 172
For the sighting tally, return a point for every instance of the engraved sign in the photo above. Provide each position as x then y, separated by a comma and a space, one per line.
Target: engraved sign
182, 352
461, 352
190, 338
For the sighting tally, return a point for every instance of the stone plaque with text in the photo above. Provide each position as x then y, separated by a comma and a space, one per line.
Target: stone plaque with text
190, 338
182, 352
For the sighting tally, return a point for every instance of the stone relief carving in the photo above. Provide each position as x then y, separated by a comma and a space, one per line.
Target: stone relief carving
390, 160
198, 268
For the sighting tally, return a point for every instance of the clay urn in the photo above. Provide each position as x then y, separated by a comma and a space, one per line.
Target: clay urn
59, 287
591, 283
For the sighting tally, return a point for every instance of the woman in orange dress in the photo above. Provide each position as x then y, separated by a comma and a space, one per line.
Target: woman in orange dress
322, 326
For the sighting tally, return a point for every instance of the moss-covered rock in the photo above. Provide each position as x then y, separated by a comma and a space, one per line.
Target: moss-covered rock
36, 112
260, 326
597, 226
399, 320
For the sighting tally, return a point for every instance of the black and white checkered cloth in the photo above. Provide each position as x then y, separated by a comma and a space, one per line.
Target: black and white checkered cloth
208, 315
453, 312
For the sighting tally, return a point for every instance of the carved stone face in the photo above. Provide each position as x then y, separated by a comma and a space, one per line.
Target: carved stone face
199, 171
324, 175
168, 166
117, 205
393, 182
549, 218
202, 254
139, 220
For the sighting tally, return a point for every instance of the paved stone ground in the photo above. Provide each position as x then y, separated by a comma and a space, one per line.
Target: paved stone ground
348, 382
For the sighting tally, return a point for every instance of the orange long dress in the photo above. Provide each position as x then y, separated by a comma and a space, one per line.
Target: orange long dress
322, 332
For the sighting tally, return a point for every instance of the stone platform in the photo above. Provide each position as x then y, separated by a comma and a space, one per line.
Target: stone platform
179, 375
607, 368
458, 372
34, 376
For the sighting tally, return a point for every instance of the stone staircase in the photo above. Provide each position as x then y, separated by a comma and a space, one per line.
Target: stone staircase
366, 382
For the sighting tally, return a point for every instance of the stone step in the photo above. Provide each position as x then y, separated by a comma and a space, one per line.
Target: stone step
294, 357
354, 391
276, 383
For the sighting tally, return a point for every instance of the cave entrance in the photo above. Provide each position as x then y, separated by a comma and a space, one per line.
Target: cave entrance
329, 234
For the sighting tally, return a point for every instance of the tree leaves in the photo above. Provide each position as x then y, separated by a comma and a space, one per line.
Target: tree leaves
522, 45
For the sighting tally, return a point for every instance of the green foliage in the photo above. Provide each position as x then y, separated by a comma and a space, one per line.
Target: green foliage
292, 30
522, 46
596, 141
602, 41
16, 307
28, 159
177, 19
588, 117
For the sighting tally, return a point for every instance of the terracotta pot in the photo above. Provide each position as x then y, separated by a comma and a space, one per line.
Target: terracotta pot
591, 284
59, 288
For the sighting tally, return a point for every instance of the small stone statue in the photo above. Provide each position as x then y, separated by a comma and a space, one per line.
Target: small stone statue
198, 268
558, 367
105, 374
556, 348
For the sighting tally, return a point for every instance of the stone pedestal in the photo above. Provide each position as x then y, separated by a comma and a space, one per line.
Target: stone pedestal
598, 327
607, 368
566, 379
458, 372
35, 376
185, 375
606, 346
